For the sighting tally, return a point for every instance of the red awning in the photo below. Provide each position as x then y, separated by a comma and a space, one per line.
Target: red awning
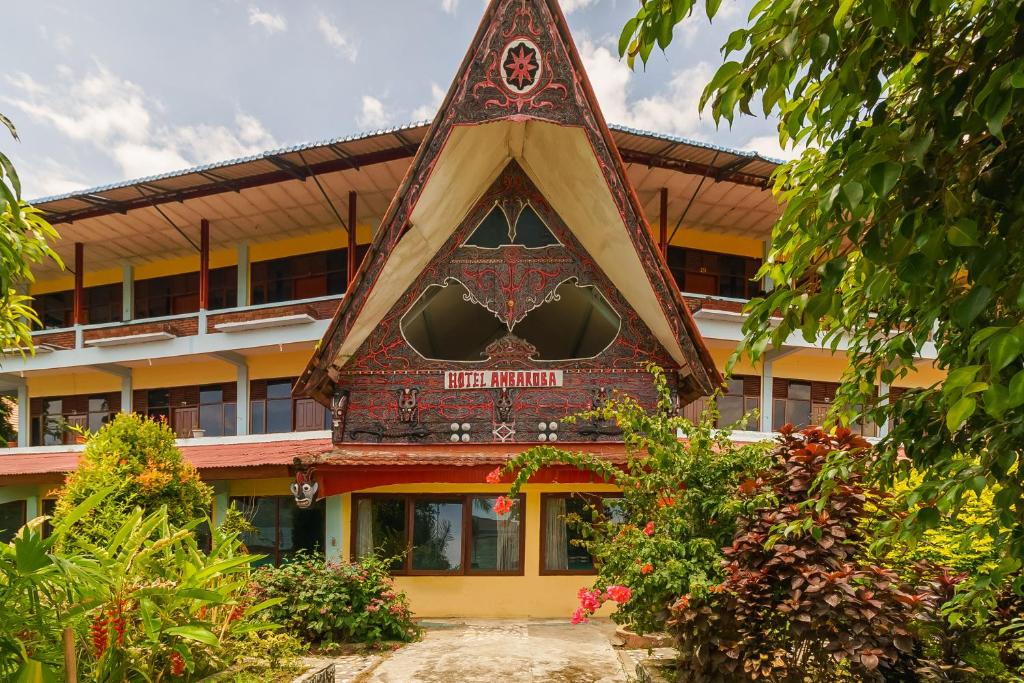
239, 460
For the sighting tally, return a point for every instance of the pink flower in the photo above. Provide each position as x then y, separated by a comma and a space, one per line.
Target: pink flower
649, 529
494, 476
578, 617
503, 505
590, 600
620, 594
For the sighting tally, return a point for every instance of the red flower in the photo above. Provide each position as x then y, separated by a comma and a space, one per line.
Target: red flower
666, 501
647, 569
494, 476
503, 505
177, 665
590, 600
682, 603
619, 594
649, 529
99, 635
578, 617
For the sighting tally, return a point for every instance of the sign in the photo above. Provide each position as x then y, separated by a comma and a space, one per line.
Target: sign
502, 379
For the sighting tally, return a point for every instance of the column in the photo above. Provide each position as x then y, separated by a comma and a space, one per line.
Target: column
767, 380
334, 527
221, 501
24, 416
78, 308
126, 391
127, 292
242, 399
883, 392
243, 274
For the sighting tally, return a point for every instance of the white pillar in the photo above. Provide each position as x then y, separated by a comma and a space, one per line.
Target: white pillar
24, 417
127, 292
767, 380
126, 392
883, 392
221, 501
767, 284
243, 274
333, 528
242, 400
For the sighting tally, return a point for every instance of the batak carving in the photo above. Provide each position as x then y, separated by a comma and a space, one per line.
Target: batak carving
339, 413
503, 406
305, 487
407, 405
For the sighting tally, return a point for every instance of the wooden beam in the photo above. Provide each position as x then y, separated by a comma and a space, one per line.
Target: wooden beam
78, 308
351, 253
663, 223
204, 264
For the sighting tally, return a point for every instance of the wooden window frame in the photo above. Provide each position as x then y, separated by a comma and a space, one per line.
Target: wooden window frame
545, 498
466, 499
278, 501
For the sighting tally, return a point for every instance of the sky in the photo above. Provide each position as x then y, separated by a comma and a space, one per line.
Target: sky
112, 90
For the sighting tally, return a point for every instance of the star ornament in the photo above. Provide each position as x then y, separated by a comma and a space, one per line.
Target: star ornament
521, 66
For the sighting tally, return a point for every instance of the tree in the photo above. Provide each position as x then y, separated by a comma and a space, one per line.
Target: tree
24, 241
135, 459
901, 227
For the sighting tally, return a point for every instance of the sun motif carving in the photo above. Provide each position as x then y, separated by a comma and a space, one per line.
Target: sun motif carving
520, 65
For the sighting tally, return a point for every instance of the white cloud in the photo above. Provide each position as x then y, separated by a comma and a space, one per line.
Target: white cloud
336, 39
768, 146
426, 111
569, 6
673, 110
373, 114
117, 117
46, 177
26, 84
449, 6
269, 21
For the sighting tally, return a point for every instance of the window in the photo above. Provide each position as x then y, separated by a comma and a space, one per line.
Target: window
177, 294
562, 551
158, 405
792, 404
281, 527
742, 395
273, 410
49, 426
705, 272
439, 534
495, 231
445, 324
299, 277
49, 506
101, 304
99, 413
12, 518
216, 416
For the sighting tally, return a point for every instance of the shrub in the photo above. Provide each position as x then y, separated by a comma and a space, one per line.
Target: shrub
799, 603
135, 460
680, 501
335, 602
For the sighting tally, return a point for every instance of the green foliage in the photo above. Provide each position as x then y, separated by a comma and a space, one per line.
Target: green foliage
680, 500
24, 241
333, 602
135, 460
276, 648
900, 229
8, 430
144, 604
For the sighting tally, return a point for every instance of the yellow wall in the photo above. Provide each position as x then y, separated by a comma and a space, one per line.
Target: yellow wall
477, 596
710, 241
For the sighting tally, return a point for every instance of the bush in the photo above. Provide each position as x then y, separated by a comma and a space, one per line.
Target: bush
680, 501
334, 602
799, 602
135, 460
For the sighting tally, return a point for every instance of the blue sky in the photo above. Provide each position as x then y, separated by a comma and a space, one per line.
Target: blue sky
107, 90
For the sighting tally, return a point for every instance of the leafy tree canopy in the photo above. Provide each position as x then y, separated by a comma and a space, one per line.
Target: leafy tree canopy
135, 459
24, 241
902, 224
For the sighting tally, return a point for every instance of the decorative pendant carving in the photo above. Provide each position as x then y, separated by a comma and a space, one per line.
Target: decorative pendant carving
339, 414
305, 487
407, 399
503, 406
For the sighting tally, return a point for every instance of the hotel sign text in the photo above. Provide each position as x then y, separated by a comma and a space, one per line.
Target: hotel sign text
502, 379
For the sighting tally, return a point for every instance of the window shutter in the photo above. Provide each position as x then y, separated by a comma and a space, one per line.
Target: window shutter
752, 386
309, 415
780, 388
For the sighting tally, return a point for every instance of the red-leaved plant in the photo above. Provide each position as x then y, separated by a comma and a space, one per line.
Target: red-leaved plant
803, 604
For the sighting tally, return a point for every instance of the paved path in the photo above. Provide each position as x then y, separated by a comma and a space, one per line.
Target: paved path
485, 651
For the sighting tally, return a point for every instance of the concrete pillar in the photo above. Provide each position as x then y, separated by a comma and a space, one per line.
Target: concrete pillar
883, 392
24, 417
333, 528
221, 501
767, 284
243, 274
126, 392
127, 292
242, 400
767, 380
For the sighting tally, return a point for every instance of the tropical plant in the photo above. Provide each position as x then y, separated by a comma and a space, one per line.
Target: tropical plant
136, 460
324, 602
680, 500
799, 601
900, 224
24, 241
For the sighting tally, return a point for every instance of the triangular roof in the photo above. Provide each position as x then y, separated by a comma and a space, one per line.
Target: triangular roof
521, 93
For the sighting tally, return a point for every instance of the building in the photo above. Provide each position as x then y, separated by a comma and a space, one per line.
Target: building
383, 319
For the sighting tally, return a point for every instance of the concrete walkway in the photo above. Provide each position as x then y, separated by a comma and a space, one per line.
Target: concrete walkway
476, 650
